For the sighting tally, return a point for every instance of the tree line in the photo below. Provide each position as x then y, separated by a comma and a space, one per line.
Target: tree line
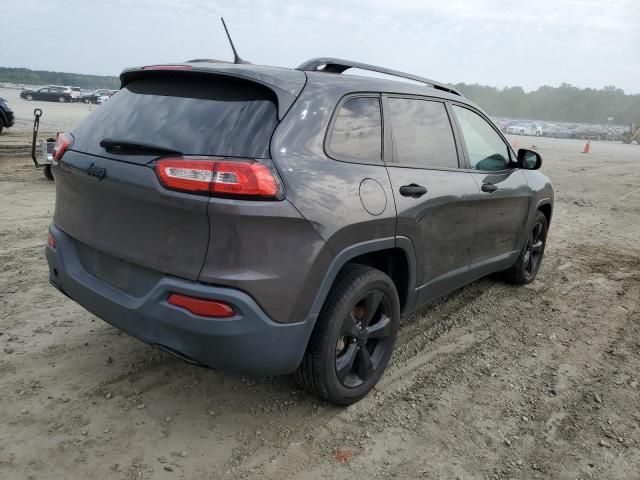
44, 77
565, 103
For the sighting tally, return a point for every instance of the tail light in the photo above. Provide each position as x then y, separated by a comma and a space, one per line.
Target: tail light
202, 306
63, 142
227, 178
51, 241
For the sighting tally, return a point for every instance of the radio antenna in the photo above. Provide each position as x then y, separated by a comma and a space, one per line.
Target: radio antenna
236, 57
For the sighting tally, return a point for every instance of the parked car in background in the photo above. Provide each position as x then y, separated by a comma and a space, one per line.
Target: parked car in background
104, 98
76, 94
93, 97
525, 129
7, 119
589, 132
556, 131
49, 94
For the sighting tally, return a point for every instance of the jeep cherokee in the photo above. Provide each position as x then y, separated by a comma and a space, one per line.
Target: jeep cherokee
267, 221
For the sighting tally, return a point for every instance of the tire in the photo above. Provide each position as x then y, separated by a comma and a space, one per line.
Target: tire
528, 263
1, 125
343, 362
47, 172
62, 99
29, 97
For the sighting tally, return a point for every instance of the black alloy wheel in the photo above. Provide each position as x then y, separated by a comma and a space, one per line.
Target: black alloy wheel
364, 340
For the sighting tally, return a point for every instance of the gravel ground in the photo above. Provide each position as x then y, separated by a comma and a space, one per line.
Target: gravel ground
492, 382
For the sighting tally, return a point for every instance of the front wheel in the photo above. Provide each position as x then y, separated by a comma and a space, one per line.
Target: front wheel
354, 336
526, 267
62, 99
29, 97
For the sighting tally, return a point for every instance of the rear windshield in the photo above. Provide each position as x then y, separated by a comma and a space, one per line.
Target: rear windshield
192, 116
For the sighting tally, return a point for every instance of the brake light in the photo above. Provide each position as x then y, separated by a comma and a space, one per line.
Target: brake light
51, 241
245, 178
202, 306
63, 142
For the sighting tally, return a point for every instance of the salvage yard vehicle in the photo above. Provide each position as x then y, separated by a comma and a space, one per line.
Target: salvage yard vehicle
525, 129
94, 97
7, 118
268, 221
50, 94
556, 131
76, 94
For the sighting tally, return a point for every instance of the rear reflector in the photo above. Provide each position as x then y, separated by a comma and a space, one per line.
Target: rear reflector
246, 178
201, 306
51, 241
63, 142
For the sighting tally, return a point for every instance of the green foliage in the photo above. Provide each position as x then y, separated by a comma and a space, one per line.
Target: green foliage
564, 103
43, 77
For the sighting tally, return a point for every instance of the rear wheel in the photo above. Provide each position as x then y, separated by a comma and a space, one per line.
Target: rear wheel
354, 337
526, 267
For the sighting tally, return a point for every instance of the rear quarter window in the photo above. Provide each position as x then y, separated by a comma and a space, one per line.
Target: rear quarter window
356, 133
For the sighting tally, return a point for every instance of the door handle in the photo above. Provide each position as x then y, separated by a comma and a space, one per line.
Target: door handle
489, 187
412, 190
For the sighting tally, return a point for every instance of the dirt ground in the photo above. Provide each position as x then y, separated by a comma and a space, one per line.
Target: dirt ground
492, 382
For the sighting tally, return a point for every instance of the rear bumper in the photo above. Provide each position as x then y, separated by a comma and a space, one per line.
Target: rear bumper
249, 343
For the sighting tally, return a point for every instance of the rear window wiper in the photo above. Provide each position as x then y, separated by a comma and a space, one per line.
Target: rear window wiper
127, 146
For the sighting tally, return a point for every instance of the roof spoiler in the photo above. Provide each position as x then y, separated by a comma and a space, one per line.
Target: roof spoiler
337, 65
206, 67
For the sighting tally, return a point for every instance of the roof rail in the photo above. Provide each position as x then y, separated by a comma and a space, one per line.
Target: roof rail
336, 65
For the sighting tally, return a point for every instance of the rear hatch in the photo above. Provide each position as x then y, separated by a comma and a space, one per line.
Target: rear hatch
111, 200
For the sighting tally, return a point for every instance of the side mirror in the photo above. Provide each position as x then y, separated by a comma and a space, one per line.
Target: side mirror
529, 160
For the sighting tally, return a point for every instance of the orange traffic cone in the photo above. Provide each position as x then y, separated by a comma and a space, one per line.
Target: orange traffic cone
587, 147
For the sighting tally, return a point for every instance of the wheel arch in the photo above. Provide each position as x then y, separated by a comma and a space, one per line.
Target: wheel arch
546, 208
393, 255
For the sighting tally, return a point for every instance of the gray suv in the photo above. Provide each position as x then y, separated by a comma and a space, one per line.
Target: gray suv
267, 221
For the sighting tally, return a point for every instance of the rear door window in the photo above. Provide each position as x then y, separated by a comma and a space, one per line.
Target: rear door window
357, 131
194, 116
422, 134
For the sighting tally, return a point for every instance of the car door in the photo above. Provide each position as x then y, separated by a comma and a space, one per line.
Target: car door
435, 199
503, 198
41, 94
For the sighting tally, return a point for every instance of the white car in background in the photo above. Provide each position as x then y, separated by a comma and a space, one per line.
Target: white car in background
534, 129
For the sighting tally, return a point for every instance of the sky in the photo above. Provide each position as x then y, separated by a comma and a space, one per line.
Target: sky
587, 43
